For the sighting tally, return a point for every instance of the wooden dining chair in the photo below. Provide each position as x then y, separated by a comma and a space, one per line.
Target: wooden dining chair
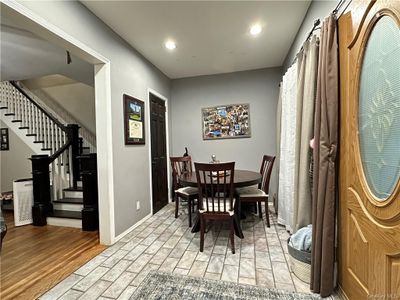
216, 189
180, 166
260, 193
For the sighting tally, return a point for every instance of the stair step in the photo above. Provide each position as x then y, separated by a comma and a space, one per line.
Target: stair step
3, 107
31, 134
47, 149
38, 142
16, 121
73, 193
70, 200
71, 189
68, 214
9, 114
23, 127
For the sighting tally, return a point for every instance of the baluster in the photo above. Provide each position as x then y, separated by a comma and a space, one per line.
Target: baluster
25, 102
30, 120
35, 122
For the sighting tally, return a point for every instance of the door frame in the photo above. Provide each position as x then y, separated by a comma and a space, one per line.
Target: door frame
102, 77
148, 116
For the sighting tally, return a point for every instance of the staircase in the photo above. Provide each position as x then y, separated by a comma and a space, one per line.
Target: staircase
61, 156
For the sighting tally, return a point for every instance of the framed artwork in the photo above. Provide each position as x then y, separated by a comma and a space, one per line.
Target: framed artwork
4, 141
226, 121
134, 121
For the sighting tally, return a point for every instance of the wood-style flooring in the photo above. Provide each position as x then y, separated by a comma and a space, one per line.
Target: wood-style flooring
34, 259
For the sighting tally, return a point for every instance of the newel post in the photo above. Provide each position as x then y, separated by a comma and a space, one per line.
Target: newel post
73, 134
41, 189
90, 211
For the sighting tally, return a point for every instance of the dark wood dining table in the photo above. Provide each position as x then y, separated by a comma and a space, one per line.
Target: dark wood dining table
242, 178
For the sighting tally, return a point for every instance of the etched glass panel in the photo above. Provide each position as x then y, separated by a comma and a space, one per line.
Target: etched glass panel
379, 108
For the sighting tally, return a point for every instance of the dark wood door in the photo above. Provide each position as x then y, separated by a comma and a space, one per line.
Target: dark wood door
158, 153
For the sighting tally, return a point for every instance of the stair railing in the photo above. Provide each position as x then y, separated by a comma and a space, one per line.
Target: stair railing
58, 170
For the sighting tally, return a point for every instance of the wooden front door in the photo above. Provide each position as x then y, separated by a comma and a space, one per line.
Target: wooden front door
158, 153
369, 233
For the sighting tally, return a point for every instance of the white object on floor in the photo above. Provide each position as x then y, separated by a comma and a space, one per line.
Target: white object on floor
23, 201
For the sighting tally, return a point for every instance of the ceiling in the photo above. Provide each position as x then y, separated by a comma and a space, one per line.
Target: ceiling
24, 55
211, 36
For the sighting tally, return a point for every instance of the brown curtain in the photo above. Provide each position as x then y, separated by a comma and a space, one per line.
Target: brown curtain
324, 184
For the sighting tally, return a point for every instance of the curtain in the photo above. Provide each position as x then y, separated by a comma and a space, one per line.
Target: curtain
278, 147
288, 148
305, 129
324, 180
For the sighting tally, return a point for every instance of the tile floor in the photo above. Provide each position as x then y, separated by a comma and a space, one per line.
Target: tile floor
167, 244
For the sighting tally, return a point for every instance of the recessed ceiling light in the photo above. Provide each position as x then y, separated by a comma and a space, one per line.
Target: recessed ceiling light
170, 45
255, 29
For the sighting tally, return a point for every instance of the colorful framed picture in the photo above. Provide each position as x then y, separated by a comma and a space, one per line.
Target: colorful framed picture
4, 141
226, 122
134, 121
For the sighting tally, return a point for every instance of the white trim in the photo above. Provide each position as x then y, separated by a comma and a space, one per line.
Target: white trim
64, 222
103, 113
157, 94
120, 236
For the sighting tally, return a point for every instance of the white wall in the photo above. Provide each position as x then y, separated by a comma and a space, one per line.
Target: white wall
131, 74
76, 98
259, 88
319, 9
14, 163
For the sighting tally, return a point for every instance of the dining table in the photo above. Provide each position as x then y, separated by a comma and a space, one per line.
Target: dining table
242, 178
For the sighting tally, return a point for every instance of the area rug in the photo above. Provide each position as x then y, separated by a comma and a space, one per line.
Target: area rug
166, 286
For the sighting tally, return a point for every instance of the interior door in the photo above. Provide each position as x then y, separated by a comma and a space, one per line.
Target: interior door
369, 233
158, 153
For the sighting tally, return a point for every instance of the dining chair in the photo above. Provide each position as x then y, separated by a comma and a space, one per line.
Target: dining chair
260, 193
216, 189
180, 166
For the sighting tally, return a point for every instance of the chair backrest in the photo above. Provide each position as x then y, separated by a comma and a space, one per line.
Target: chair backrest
266, 170
216, 186
180, 165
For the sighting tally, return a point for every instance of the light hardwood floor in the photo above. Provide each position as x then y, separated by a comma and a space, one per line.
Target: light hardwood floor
34, 259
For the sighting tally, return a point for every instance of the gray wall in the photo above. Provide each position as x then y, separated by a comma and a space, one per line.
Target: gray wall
132, 74
14, 163
317, 10
189, 95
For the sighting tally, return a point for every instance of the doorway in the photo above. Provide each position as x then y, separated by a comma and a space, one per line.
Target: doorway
370, 161
158, 152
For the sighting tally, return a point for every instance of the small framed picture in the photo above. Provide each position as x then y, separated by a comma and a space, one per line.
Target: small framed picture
134, 121
4, 142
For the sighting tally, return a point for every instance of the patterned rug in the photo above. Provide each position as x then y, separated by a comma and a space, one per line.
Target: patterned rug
166, 286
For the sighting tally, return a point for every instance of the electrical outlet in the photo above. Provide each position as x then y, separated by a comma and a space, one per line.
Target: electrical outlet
137, 205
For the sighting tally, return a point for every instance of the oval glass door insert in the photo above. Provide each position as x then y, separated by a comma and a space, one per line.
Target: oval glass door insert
379, 108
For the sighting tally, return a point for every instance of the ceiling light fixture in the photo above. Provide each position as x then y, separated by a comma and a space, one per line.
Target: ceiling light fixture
170, 45
255, 29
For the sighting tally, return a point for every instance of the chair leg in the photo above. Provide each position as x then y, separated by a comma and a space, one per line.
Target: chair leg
232, 236
202, 229
176, 206
259, 209
267, 213
190, 212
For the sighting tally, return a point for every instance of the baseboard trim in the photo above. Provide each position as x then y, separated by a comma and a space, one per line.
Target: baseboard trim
64, 222
120, 236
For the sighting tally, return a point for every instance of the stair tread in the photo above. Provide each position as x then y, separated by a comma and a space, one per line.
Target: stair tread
9, 114
16, 121
69, 214
37, 142
31, 134
3, 107
69, 200
23, 127
71, 189
47, 149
